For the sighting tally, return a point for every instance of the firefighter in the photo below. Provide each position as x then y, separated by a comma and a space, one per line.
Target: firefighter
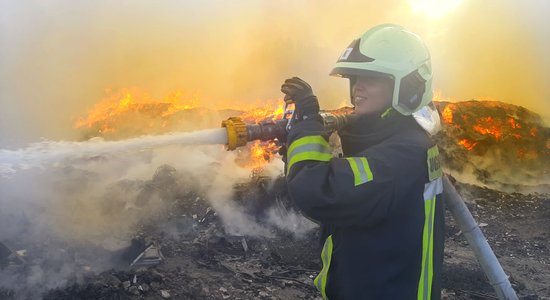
379, 206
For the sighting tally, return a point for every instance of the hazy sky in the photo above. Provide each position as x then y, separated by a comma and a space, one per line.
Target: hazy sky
57, 57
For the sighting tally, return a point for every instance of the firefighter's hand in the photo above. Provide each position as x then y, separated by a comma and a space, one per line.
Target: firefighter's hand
300, 92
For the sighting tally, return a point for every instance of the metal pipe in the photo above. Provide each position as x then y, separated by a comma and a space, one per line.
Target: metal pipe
483, 252
240, 133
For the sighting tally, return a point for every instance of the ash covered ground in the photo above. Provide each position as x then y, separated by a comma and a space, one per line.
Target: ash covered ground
201, 260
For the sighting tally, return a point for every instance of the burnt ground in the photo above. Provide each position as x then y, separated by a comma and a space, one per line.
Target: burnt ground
517, 227
201, 261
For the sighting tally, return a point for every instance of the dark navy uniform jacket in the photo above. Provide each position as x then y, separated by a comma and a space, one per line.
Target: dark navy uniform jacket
379, 206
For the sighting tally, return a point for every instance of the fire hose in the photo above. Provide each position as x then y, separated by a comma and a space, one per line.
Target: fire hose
240, 133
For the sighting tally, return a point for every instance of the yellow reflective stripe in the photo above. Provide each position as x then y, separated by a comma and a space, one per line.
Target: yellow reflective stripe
434, 165
326, 256
361, 170
308, 148
354, 169
309, 155
426, 275
313, 139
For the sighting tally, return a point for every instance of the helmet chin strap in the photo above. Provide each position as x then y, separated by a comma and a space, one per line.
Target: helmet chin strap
382, 114
386, 113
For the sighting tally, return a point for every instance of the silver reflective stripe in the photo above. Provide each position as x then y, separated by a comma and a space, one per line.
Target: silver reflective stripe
313, 139
309, 148
361, 170
433, 188
313, 148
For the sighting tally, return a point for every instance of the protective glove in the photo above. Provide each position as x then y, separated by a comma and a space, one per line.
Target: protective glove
307, 105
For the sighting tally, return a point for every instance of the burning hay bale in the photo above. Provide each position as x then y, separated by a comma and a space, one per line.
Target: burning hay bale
502, 145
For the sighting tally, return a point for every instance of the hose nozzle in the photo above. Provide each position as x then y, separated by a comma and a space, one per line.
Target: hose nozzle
237, 134
240, 133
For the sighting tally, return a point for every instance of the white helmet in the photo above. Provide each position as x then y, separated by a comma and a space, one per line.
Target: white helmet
391, 51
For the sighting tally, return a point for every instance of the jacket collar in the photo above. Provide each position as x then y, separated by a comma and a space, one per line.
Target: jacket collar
367, 130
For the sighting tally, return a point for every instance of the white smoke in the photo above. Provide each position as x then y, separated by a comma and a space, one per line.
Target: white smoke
69, 214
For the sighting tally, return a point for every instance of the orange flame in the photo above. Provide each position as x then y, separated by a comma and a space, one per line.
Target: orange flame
467, 144
105, 114
448, 114
268, 112
513, 123
119, 110
487, 126
262, 152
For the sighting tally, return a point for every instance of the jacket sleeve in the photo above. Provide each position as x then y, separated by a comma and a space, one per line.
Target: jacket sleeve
337, 191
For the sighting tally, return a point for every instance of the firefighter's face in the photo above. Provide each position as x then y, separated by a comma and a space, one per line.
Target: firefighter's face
371, 94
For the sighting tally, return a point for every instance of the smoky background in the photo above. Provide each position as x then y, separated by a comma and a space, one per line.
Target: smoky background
57, 57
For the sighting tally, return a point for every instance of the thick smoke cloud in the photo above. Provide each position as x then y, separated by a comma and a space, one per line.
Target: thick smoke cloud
96, 197
57, 57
